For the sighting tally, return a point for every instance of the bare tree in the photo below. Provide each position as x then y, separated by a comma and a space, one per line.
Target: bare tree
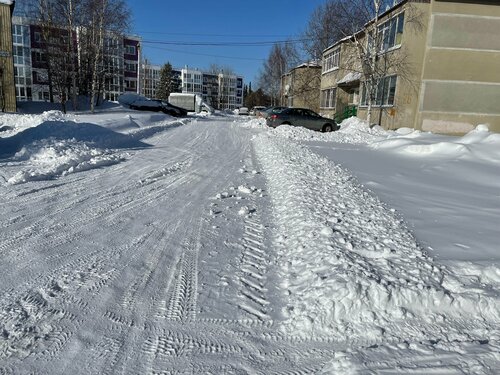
326, 26
56, 20
220, 69
281, 58
93, 20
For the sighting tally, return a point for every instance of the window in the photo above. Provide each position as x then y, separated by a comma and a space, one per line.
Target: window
130, 67
391, 32
328, 98
129, 49
384, 93
130, 84
39, 57
331, 60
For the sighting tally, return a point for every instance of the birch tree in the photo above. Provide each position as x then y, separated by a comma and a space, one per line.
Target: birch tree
281, 58
106, 20
56, 20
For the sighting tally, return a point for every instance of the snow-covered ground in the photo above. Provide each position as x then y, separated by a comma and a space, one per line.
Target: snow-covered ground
133, 242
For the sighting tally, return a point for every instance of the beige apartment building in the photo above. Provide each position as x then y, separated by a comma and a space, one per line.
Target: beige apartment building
300, 86
451, 77
7, 85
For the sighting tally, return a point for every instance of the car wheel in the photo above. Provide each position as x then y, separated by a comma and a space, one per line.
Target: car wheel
327, 128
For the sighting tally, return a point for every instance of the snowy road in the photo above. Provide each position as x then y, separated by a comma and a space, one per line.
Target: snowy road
216, 247
147, 266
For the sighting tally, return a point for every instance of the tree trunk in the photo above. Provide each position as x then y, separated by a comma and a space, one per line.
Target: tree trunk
98, 55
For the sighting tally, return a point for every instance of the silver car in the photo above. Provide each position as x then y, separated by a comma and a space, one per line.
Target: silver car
301, 117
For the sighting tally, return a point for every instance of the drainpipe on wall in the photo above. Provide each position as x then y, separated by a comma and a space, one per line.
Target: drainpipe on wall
139, 68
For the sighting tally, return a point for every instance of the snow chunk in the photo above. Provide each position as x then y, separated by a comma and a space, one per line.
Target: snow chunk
51, 158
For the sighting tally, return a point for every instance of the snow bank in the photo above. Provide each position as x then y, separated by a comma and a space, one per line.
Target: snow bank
350, 264
52, 158
478, 144
17, 123
52, 144
256, 123
352, 130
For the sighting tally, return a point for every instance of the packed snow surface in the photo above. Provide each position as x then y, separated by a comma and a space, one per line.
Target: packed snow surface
133, 242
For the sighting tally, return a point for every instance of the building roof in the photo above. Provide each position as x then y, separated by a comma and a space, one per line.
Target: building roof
7, 2
309, 64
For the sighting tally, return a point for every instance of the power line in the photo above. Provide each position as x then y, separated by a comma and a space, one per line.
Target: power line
225, 44
208, 55
216, 35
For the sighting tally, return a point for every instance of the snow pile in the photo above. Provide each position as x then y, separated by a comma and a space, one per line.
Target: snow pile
478, 144
255, 123
53, 158
52, 145
352, 130
15, 123
350, 265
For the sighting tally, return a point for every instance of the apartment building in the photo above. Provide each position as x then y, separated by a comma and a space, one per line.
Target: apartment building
222, 91
300, 87
122, 61
230, 91
131, 63
7, 87
150, 80
447, 79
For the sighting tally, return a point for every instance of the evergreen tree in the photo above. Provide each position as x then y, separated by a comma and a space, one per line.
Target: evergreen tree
166, 85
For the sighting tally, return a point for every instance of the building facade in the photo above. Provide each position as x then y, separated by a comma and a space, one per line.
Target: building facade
450, 81
121, 63
7, 77
123, 69
300, 87
221, 91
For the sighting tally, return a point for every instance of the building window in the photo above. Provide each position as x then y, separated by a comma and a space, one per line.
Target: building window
331, 60
129, 49
130, 84
391, 32
384, 93
130, 67
328, 98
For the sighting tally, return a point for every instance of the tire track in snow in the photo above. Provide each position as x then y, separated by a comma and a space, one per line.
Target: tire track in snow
182, 293
38, 236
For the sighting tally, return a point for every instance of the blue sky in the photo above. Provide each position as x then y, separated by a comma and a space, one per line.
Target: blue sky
218, 21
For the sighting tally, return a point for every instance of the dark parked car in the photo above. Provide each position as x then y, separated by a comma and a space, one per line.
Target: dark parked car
301, 117
157, 105
271, 110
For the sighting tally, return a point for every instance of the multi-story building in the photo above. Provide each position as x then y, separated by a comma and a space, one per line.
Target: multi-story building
150, 80
210, 89
122, 59
122, 70
131, 63
222, 91
300, 87
230, 91
7, 87
449, 80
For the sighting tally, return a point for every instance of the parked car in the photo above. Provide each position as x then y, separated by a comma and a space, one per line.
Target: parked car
271, 110
157, 105
256, 111
301, 117
242, 111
